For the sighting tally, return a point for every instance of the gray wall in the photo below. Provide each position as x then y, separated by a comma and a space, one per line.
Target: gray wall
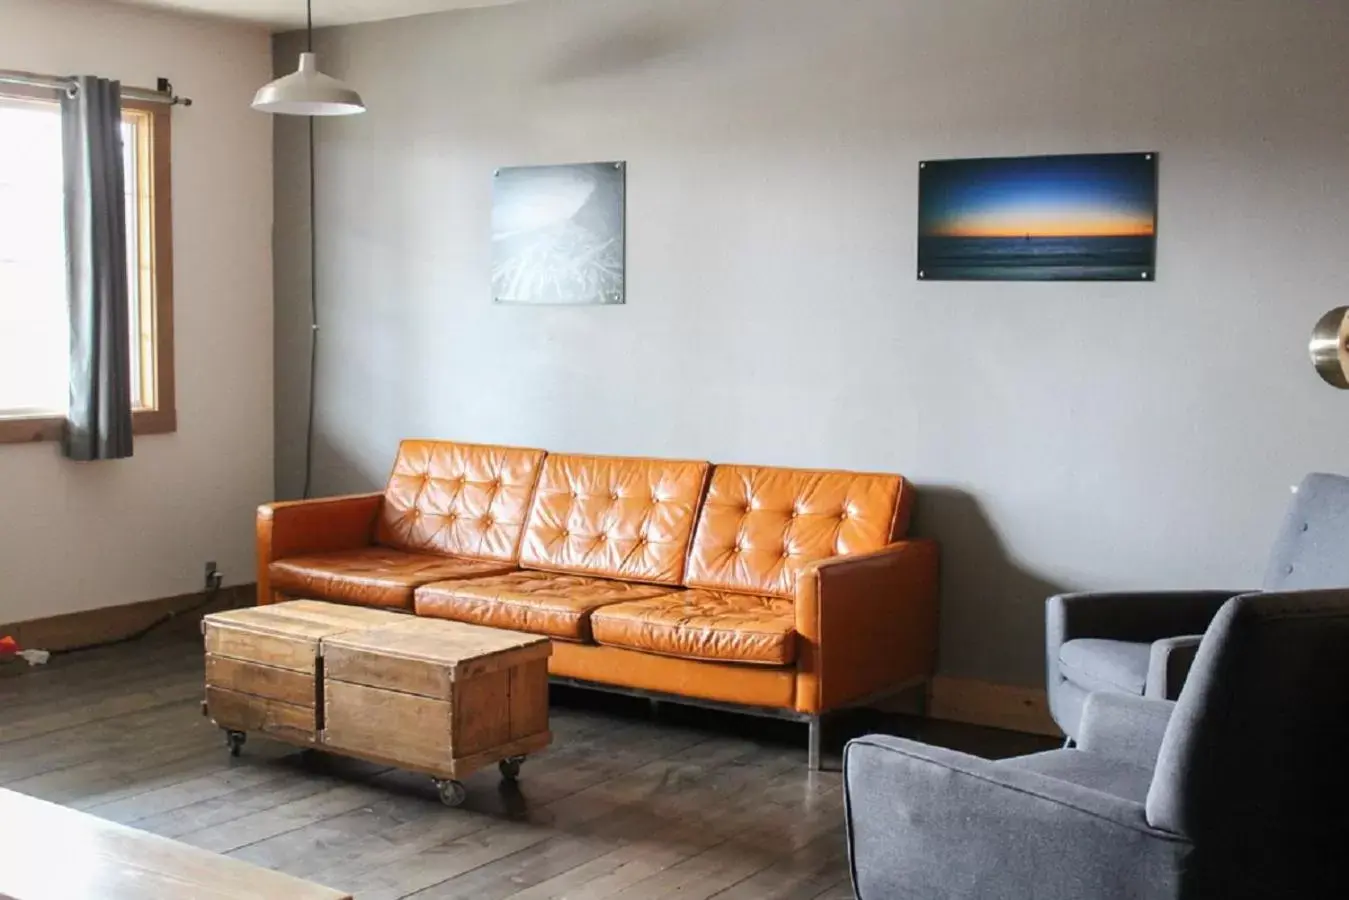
1063, 435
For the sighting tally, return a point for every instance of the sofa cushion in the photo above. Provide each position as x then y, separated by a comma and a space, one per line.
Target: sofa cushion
760, 525
701, 624
458, 499
614, 517
372, 576
1101, 665
537, 602
724, 682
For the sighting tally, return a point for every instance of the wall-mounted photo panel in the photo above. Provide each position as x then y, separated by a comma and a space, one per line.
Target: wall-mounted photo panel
557, 234
1039, 218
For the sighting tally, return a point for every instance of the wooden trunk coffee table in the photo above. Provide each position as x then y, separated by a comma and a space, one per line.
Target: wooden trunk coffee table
264, 666
429, 695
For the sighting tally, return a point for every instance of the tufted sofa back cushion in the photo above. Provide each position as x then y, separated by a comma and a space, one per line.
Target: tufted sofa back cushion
614, 517
458, 499
760, 525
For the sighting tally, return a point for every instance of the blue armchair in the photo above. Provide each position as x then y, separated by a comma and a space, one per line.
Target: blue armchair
1237, 790
1143, 643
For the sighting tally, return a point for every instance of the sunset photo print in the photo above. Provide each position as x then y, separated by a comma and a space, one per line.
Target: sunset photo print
1039, 218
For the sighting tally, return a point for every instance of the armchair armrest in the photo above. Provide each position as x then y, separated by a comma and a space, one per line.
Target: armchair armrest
1168, 664
1143, 616
300, 527
933, 823
1124, 728
865, 623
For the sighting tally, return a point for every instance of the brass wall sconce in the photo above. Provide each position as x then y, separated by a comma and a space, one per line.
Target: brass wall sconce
1329, 347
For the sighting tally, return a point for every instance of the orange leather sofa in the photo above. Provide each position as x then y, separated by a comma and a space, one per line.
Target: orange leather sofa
789, 592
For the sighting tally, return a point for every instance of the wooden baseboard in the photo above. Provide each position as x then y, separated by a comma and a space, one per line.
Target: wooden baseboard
995, 705
110, 623
954, 699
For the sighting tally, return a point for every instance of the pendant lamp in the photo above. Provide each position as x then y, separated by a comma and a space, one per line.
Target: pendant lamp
307, 91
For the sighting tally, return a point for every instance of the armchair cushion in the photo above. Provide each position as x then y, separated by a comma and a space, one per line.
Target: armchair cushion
713, 625
1098, 664
1091, 770
548, 603
371, 576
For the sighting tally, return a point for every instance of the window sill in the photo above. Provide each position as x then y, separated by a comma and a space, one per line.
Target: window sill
33, 429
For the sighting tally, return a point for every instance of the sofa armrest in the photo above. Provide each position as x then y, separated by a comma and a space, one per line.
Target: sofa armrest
865, 623
934, 823
1124, 728
300, 527
1168, 664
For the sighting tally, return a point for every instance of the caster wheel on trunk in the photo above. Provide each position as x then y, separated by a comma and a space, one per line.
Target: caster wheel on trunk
235, 741
510, 767
452, 793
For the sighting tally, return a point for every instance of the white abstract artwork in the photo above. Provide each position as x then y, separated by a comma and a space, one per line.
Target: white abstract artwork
557, 234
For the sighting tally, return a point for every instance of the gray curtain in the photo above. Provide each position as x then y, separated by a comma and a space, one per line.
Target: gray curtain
98, 425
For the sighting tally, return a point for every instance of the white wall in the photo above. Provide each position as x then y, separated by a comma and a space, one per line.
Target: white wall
1062, 435
76, 536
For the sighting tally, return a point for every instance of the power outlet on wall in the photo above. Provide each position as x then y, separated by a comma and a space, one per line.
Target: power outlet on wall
213, 576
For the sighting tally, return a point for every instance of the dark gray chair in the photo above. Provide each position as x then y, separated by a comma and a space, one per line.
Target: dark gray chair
1239, 790
1143, 643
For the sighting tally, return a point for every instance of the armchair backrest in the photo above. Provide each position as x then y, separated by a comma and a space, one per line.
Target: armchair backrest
1252, 764
1312, 550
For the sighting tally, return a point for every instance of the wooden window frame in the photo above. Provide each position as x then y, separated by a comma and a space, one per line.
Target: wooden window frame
156, 411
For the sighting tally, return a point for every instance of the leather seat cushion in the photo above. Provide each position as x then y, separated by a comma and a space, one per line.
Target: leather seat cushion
548, 603
1102, 665
700, 624
372, 576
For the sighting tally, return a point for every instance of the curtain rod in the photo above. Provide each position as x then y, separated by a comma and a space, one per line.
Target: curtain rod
163, 93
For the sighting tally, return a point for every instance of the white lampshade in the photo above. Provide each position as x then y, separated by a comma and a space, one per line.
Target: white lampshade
308, 92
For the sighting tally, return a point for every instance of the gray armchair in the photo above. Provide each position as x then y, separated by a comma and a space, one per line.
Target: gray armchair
1143, 643
1237, 790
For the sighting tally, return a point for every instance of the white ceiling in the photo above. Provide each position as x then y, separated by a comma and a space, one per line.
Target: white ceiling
282, 15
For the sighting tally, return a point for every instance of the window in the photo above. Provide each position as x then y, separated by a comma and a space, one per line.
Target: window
34, 327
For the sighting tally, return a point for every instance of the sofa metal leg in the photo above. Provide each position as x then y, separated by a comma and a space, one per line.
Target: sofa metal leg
813, 752
1069, 743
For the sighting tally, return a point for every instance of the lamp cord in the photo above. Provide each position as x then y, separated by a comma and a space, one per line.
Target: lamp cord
313, 282
313, 321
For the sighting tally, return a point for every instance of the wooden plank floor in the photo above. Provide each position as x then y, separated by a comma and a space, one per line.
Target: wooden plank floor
691, 804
